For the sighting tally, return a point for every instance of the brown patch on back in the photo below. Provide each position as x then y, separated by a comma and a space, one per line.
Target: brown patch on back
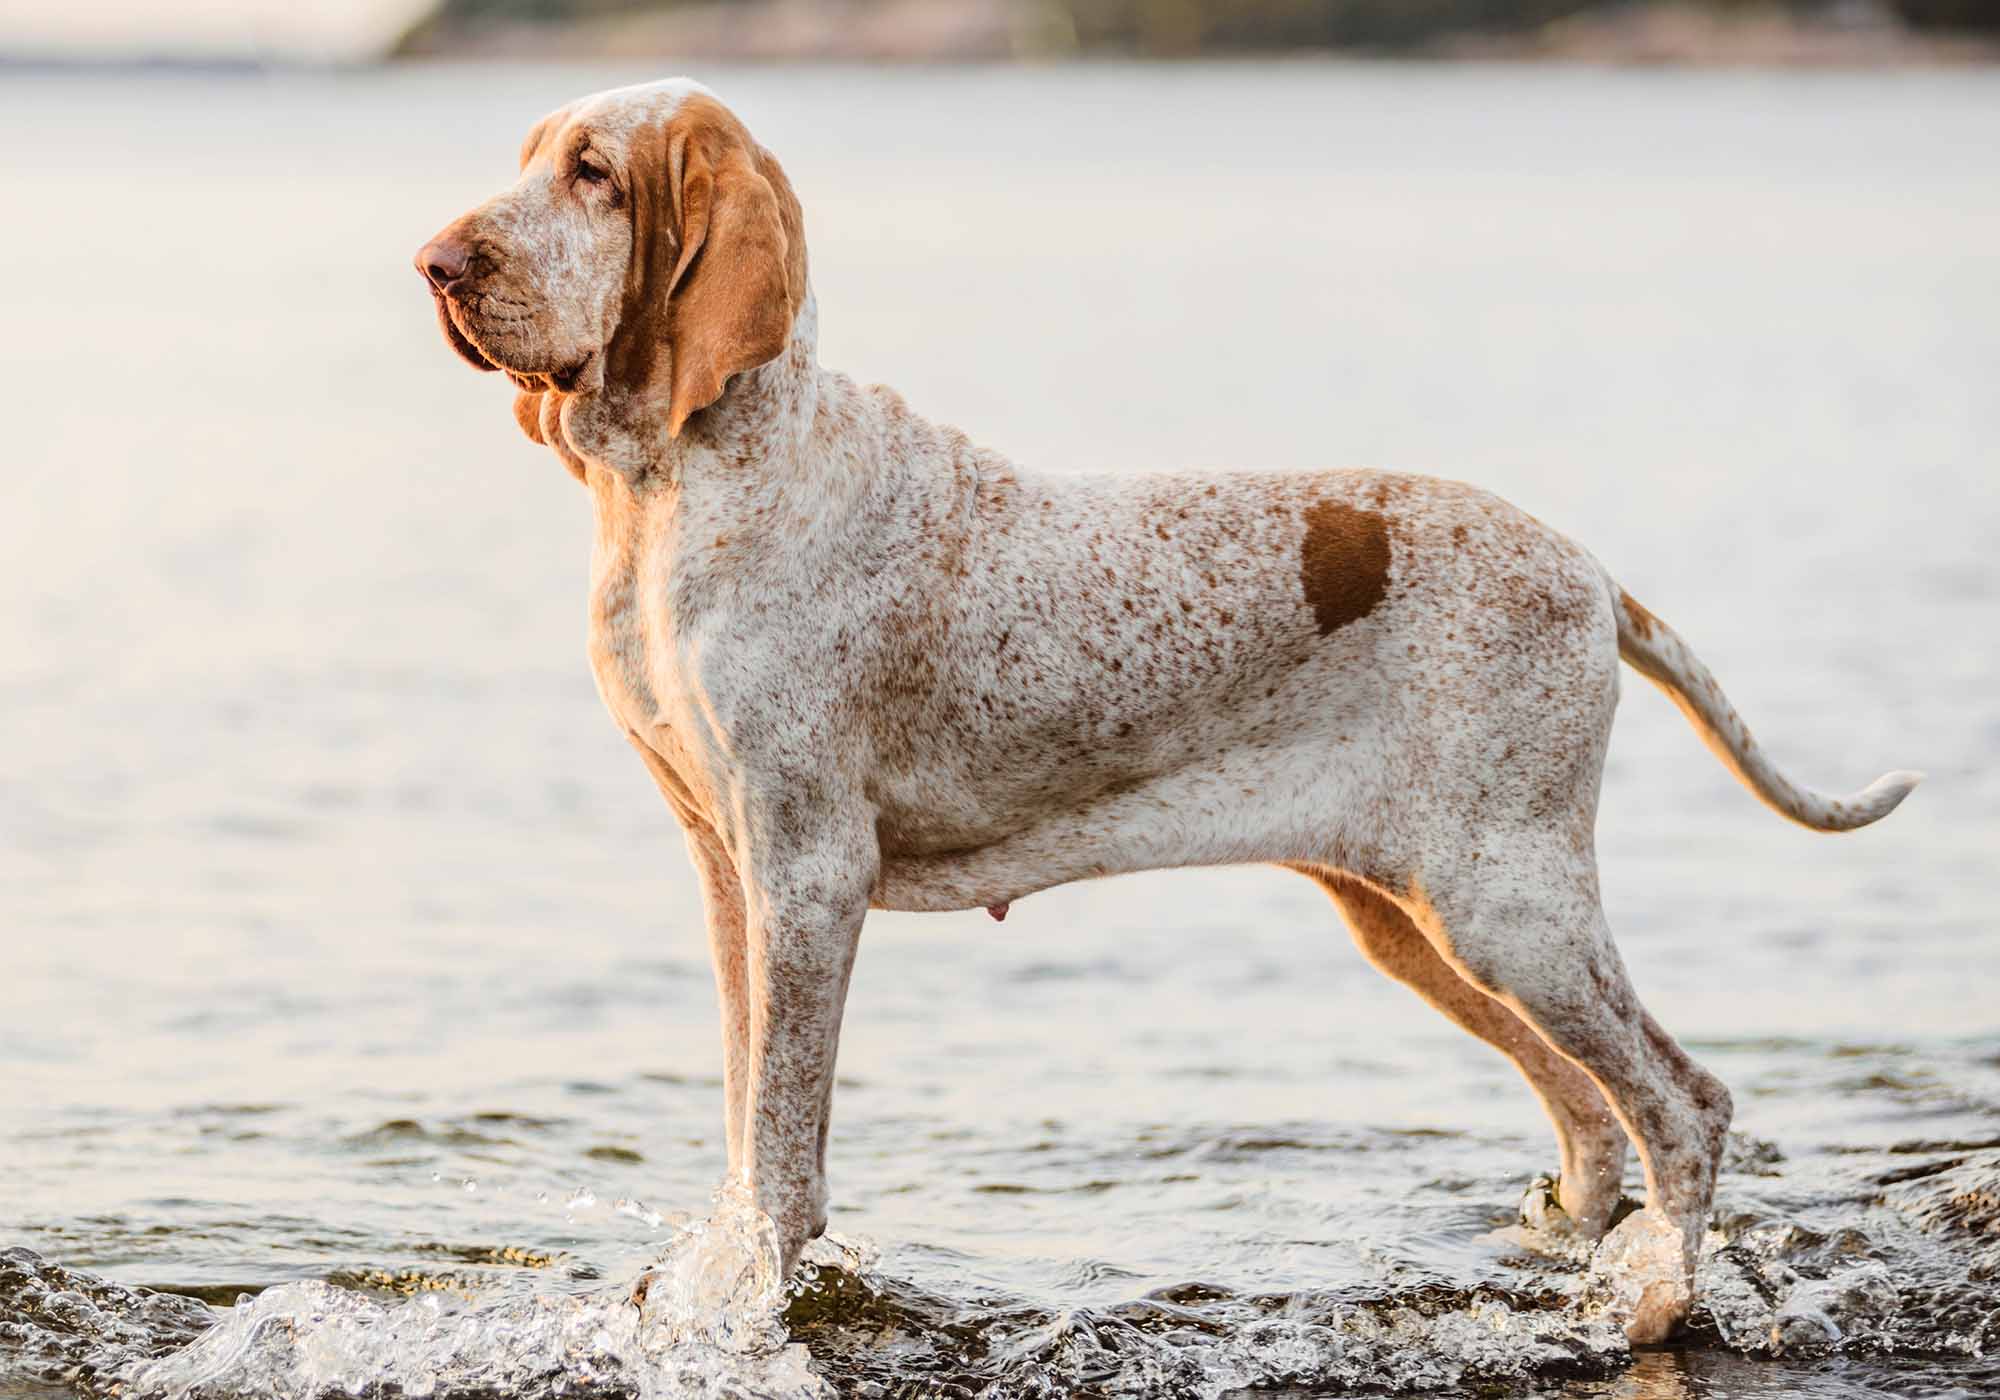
1636, 616
1343, 563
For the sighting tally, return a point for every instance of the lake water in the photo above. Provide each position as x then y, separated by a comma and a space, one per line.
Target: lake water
342, 940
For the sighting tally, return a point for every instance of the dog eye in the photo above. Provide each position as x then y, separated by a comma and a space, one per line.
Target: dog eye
591, 174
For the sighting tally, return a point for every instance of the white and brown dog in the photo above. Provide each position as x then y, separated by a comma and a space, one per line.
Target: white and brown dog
872, 664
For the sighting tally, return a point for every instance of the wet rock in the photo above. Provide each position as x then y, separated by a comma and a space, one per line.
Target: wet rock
61, 1325
1738, 1294
1958, 1196
1799, 1246
1955, 1201
1750, 1156
1821, 1315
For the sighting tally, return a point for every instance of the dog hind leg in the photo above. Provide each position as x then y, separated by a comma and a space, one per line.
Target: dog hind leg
1532, 935
1588, 1136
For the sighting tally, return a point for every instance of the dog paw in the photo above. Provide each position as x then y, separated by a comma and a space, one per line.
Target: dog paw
1542, 1229
1542, 1212
1639, 1278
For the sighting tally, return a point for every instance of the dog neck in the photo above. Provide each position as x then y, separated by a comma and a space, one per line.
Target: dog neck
779, 464
617, 436
765, 414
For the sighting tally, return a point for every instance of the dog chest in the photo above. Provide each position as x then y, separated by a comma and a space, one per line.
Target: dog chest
629, 630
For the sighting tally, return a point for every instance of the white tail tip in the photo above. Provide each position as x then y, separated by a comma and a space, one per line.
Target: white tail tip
1882, 797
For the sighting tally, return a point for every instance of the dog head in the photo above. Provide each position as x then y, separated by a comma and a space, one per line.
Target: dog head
649, 250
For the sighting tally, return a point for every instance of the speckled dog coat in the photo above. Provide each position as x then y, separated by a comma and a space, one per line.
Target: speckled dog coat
872, 664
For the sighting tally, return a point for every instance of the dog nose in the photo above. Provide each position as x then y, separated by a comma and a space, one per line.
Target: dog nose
443, 261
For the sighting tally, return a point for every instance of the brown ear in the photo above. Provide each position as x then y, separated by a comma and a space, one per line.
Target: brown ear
738, 272
540, 132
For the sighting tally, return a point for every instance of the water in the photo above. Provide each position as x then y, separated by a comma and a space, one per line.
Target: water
352, 965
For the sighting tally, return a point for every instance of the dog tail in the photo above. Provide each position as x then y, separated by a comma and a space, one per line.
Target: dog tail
1657, 652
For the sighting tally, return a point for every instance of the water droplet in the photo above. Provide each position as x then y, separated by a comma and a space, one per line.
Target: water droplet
639, 1211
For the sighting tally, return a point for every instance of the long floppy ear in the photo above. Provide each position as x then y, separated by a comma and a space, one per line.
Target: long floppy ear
738, 271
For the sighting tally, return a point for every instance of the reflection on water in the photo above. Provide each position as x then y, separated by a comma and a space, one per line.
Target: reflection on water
346, 946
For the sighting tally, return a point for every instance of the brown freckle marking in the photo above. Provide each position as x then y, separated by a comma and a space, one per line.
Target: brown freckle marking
1642, 621
1343, 563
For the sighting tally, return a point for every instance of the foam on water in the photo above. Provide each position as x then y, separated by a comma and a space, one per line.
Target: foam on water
708, 1322
1906, 1277
713, 1317
709, 1327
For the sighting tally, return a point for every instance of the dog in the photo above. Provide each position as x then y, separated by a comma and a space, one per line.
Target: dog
871, 664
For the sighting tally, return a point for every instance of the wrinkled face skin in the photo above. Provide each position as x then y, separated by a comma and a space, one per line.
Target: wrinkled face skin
649, 251
541, 268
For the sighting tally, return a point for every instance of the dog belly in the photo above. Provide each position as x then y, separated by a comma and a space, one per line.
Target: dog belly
1318, 800
992, 798
1010, 784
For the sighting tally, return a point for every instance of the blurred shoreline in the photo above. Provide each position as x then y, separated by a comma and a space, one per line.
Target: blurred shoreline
1858, 34
1837, 34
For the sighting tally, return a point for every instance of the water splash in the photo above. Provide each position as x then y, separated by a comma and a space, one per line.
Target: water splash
712, 1310
60, 1327
706, 1320
1317, 1344
1905, 1280
638, 1210
1913, 1277
1637, 1275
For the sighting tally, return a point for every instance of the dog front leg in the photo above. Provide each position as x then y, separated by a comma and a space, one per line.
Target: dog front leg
722, 900
722, 904
804, 922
